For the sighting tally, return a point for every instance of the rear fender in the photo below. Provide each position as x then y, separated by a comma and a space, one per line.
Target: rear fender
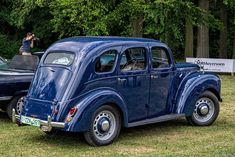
192, 87
90, 103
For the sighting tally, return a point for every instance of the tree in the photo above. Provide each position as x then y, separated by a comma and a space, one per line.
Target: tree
223, 32
9, 44
30, 16
4, 15
231, 5
128, 16
188, 52
200, 17
171, 21
166, 20
203, 33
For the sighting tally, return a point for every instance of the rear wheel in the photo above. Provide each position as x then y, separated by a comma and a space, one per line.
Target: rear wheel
17, 104
105, 126
206, 110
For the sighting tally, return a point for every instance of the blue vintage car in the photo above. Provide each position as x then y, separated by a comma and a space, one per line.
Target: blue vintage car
96, 85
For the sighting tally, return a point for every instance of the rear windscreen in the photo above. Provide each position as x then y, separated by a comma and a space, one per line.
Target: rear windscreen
59, 58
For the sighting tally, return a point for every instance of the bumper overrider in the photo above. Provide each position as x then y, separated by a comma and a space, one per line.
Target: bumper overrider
46, 126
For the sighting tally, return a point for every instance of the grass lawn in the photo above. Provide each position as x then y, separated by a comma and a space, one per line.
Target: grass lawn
173, 138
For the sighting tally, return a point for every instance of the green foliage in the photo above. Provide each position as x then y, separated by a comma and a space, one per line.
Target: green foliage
82, 17
54, 19
8, 47
4, 11
231, 5
121, 15
31, 16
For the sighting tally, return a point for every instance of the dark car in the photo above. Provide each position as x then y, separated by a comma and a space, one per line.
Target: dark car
15, 81
96, 85
3, 63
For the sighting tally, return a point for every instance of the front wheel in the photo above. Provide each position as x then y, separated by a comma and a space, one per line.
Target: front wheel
206, 110
105, 126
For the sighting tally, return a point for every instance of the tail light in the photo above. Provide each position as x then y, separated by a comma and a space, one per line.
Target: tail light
71, 114
73, 111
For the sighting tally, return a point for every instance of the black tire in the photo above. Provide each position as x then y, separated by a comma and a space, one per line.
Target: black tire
104, 114
201, 119
13, 104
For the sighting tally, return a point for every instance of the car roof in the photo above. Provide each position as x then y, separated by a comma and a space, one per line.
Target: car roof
86, 43
107, 39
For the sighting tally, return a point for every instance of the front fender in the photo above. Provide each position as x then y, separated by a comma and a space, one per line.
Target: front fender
90, 103
192, 87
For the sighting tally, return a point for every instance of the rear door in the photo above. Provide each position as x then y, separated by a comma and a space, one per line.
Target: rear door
162, 73
133, 81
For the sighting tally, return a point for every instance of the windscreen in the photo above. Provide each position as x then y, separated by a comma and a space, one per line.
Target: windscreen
24, 62
1, 61
59, 58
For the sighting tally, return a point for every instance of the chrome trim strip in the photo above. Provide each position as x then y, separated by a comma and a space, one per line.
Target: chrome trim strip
4, 98
156, 120
16, 73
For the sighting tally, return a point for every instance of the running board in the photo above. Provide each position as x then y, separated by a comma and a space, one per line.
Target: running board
156, 120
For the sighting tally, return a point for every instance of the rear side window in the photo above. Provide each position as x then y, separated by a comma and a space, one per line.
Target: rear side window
106, 62
59, 58
133, 59
159, 58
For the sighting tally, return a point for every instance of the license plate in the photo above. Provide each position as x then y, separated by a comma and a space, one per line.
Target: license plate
30, 121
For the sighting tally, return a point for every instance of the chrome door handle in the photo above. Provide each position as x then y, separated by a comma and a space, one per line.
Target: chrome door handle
121, 80
154, 76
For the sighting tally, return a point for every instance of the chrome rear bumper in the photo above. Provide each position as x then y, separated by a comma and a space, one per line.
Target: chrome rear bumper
45, 126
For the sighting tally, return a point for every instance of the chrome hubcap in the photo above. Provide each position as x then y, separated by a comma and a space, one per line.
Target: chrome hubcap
104, 125
204, 109
19, 105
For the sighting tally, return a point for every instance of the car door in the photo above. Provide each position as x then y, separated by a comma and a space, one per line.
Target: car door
133, 81
103, 68
162, 72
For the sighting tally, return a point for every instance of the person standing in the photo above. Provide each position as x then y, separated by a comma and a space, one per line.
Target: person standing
27, 44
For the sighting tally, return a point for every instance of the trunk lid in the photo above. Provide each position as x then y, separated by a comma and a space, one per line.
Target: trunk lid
50, 83
47, 89
38, 108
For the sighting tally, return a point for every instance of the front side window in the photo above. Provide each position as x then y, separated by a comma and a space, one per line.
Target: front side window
133, 59
106, 62
59, 58
159, 58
